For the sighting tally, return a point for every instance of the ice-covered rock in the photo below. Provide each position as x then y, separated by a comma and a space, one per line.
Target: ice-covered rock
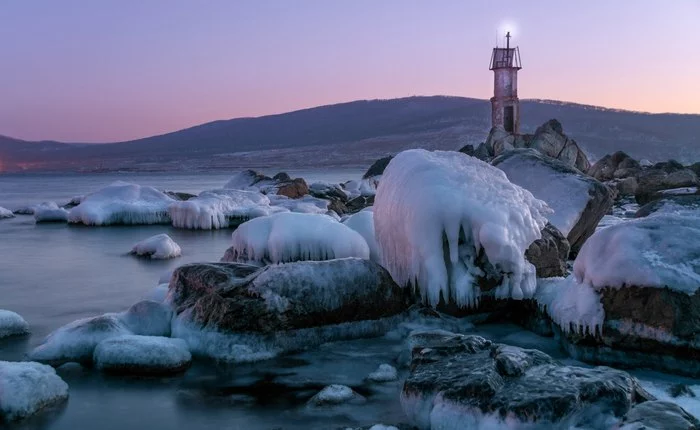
26, 388
142, 355
579, 202
246, 179
459, 382
286, 237
456, 227
363, 223
281, 184
50, 212
239, 312
123, 203
549, 253
12, 324
334, 395
363, 187
658, 415
384, 373
5, 213
158, 247
306, 204
147, 318
157, 294
219, 209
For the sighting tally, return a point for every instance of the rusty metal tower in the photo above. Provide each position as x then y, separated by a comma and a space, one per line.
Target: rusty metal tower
505, 106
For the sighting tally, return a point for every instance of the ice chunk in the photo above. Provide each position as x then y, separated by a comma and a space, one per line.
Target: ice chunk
160, 246
286, 237
435, 212
50, 212
123, 203
142, 355
656, 251
148, 318
363, 187
306, 204
334, 395
5, 213
363, 223
27, 387
385, 373
11, 324
217, 208
573, 306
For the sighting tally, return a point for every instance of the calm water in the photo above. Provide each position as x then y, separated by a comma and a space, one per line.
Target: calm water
53, 274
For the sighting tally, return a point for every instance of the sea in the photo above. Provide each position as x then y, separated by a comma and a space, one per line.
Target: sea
53, 274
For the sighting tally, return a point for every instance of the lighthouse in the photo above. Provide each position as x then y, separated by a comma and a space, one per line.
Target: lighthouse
505, 107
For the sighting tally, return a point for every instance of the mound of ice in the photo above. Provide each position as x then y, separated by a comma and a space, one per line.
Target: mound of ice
50, 212
334, 395
306, 204
11, 324
160, 246
142, 355
5, 213
656, 251
27, 387
363, 223
363, 187
288, 236
435, 213
216, 208
384, 373
123, 203
574, 307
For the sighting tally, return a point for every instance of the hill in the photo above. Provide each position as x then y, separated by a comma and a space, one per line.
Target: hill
356, 133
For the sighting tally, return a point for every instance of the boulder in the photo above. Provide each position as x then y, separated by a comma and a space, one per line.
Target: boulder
294, 188
281, 307
26, 388
579, 202
654, 180
617, 165
627, 186
550, 140
657, 414
695, 168
669, 166
142, 355
480, 384
377, 168
671, 203
12, 324
549, 254
6, 213
468, 149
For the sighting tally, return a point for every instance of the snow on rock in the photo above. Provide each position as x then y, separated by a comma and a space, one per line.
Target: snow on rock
334, 395
656, 251
248, 180
286, 237
578, 201
27, 387
160, 247
5, 213
50, 212
384, 373
219, 209
363, 187
574, 307
436, 214
12, 324
130, 354
123, 203
363, 223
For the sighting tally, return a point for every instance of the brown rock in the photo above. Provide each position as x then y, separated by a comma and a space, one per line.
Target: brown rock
294, 189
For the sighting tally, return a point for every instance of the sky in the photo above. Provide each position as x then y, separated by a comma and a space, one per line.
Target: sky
113, 70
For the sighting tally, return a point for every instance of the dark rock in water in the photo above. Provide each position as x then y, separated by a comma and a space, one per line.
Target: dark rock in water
468, 379
282, 177
293, 189
550, 253
680, 390
571, 194
237, 298
377, 168
658, 414
359, 203
677, 203
179, 195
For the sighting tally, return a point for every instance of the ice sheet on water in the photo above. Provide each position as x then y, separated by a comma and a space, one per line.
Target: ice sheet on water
435, 212
27, 387
160, 247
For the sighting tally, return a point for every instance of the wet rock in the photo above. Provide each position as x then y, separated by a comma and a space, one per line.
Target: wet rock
659, 415
550, 253
359, 203
282, 177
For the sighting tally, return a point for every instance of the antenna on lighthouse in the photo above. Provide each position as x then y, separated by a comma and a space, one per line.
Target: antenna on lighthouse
508, 40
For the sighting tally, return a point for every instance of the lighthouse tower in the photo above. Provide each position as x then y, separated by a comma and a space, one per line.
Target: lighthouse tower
505, 107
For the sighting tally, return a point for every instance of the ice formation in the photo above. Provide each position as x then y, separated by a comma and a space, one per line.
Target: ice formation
306, 204
334, 395
160, 247
11, 324
384, 373
435, 212
249, 180
363, 187
657, 251
50, 212
147, 318
573, 306
216, 208
363, 223
27, 387
288, 236
142, 354
123, 203
6, 213
157, 294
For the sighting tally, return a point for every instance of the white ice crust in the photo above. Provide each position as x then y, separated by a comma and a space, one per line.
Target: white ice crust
288, 236
215, 208
573, 306
363, 223
27, 387
12, 324
160, 247
50, 212
434, 213
6, 213
384, 373
141, 351
660, 250
123, 203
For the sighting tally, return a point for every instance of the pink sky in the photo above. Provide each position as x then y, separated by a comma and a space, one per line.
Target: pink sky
113, 70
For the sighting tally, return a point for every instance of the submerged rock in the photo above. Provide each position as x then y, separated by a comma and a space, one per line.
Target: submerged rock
142, 355
26, 388
459, 381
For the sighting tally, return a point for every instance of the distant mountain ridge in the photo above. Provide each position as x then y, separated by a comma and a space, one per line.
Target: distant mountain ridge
356, 133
